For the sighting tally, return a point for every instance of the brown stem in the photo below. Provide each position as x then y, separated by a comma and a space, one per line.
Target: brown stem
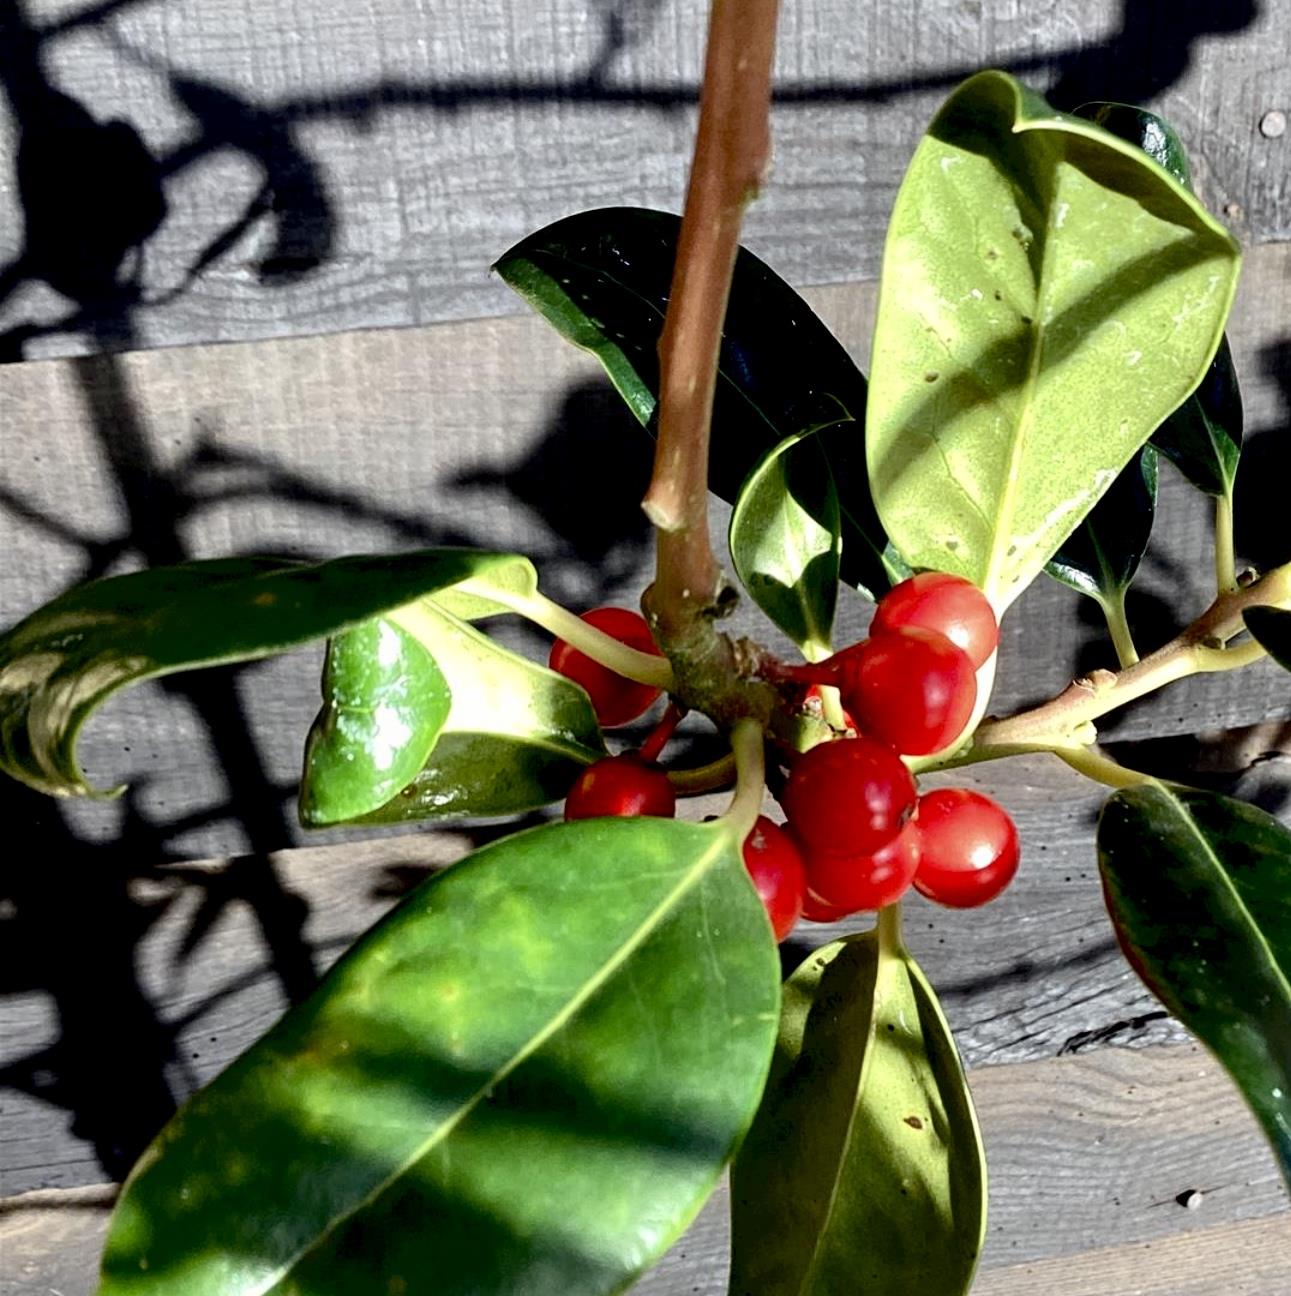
690, 592
732, 147
1200, 648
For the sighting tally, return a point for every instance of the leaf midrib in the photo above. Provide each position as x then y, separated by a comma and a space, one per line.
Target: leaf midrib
1002, 538
1260, 940
589, 989
836, 1181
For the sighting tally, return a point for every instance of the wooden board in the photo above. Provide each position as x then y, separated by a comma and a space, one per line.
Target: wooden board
1089, 1159
331, 166
193, 961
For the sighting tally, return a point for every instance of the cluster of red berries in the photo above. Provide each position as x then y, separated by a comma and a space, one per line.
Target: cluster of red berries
858, 834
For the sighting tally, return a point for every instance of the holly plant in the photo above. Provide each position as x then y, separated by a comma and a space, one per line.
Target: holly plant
530, 1075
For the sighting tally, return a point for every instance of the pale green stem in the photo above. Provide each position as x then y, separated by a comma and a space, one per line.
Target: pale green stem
831, 706
1225, 557
1065, 721
631, 663
1118, 627
1095, 764
712, 777
750, 775
891, 941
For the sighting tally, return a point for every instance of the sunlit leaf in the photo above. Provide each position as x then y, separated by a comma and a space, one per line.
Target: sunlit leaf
66, 658
1199, 889
1102, 554
1203, 437
384, 704
1049, 295
527, 1078
784, 538
863, 1172
602, 279
516, 735
1272, 628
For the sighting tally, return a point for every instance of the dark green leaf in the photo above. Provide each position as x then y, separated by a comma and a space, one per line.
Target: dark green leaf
602, 278
1272, 628
384, 704
1203, 437
1102, 554
1199, 889
784, 538
69, 656
516, 735
1154, 136
863, 1172
1049, 295
527, 1078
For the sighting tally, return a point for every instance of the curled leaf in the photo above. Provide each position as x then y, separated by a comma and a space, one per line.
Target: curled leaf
784, 538
864, 1170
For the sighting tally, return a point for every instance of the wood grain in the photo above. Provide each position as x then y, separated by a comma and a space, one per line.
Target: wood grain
1248, 1259
1088, 1157
405, 146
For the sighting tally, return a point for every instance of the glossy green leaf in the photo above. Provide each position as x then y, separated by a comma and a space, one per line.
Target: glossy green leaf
1049, 295
1102, 554
1272, 628
516, 735
384, 703
602, 279
1199, 889
1155, 136
784, 538
1203, 437
526, 1078
864, 1171
69, 656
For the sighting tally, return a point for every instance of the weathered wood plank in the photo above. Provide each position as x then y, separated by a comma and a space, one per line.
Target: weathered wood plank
1248, 1259
218, 955
358, 166
1088, 1158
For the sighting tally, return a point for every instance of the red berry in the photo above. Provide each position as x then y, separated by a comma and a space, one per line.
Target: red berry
622, 786
848, 883
850, 796
968, 848
910, 688
616, 700
814, 909
775, 866
947, 604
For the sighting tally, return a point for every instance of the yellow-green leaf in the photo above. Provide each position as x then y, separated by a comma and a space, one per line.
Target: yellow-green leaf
864, 1171
1049, 294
